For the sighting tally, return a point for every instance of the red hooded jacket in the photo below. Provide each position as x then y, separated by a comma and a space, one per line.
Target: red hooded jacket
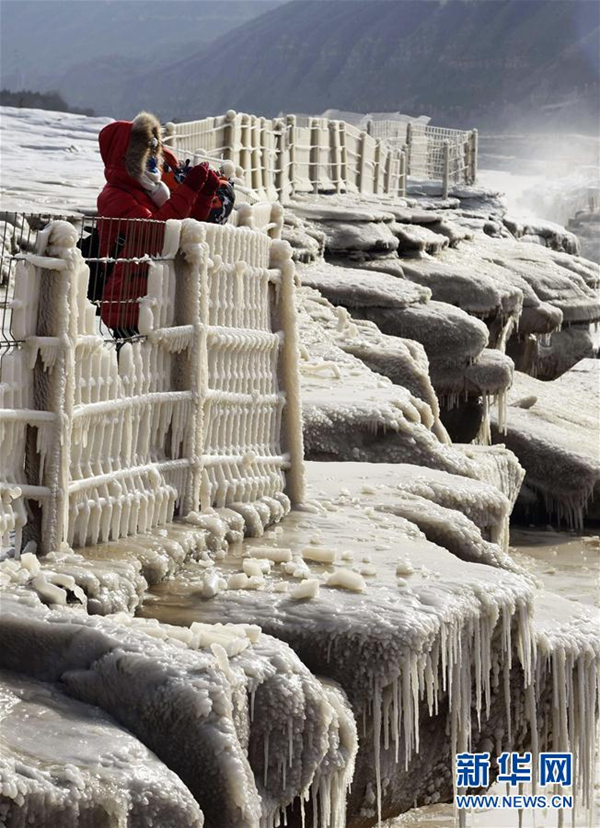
125, 148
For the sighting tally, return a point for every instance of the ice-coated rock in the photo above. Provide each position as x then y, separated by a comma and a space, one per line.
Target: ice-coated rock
553, 429
449, 335
371, 237
548, 357
340, 209
65, 763
414, 238
465, 284
306, 241
356, 288
355, 510
546, 233
366, 651
403, 361
352, 413
223, 707
145, 684
563, 288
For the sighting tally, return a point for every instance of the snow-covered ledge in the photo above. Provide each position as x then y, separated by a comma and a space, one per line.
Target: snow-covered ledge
199, 413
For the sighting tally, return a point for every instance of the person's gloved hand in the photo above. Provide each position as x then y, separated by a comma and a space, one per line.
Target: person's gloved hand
196, 178
212, 183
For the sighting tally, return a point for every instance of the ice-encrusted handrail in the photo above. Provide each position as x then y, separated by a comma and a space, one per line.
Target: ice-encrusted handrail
293, 154
197, 410
284, 156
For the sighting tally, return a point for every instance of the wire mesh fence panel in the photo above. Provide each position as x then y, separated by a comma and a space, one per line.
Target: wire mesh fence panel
394, 132
146, 379
436, 153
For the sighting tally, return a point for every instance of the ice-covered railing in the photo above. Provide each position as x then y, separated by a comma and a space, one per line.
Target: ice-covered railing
188, 402
292, 154
432, 153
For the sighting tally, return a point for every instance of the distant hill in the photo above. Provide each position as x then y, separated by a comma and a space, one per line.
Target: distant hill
26, 99
498, 64
92, 52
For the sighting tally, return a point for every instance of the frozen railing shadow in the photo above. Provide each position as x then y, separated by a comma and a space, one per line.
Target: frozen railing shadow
156, 377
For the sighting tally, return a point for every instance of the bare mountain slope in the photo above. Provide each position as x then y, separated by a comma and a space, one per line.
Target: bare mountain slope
463, 60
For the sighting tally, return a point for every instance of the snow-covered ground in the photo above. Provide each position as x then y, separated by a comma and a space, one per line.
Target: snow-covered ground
50, 161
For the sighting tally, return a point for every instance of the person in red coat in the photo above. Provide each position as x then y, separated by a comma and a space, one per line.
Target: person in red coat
134, 189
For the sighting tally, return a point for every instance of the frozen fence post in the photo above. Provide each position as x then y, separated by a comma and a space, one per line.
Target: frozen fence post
291, 139
391, 170
282, 159
378, 168
229, 135
257, 170
345, 163
409, 140
336, 154
474, 151
291, 434
245, 149
362, 163
402, 188
193, 301
62, 270
445, 168
170, 135
320, 155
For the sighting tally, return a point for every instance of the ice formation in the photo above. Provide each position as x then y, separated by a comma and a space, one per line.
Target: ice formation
392, 581
553, 428
66, 763
352, 413
416, 604
473, 258
224, 707
460, 368
396, 658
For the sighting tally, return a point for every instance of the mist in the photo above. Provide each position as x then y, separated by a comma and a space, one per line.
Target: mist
555, 177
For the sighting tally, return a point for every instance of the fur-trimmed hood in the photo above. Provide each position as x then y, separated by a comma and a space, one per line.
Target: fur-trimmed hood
125, 146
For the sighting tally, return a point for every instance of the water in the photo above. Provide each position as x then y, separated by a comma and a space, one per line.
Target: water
564, 562
568, 565
571, 200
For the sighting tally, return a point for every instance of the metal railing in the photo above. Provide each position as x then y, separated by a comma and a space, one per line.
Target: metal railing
104, 244
432, 153
141, 376
282, 157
